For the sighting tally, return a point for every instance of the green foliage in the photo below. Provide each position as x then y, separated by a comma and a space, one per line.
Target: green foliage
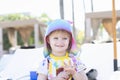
6, 42
19, 40
31, 40
13, 17
17, 16
44, 18
80, 38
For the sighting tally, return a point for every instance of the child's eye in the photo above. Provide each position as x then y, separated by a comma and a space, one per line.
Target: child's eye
55, 37
65, 38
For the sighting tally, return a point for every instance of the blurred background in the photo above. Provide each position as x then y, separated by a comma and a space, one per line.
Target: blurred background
45, 11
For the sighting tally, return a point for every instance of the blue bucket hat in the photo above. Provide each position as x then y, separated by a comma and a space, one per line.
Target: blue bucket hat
59, 24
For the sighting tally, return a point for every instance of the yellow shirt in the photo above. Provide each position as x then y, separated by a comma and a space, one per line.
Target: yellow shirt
56, 64
51, 65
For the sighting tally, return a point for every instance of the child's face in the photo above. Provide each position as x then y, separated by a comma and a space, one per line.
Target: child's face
59, 41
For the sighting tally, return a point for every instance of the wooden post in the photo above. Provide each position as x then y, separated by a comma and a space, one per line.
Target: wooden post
36, 35
114, 34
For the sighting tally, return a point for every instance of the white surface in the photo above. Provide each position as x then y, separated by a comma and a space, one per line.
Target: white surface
100, 57
115, 76
22, 62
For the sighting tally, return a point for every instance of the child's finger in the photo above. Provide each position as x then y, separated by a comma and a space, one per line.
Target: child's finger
69, 63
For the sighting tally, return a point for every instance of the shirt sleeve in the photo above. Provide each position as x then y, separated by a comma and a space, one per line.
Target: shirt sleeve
79, 65
43, 66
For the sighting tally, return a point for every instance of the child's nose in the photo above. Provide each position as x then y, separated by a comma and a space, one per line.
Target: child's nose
60, 41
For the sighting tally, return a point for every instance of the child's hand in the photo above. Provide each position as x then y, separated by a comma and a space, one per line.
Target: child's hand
71, 69
63, 75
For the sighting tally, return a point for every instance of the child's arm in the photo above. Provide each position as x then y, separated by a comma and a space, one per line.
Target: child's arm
42, 70
41, 77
